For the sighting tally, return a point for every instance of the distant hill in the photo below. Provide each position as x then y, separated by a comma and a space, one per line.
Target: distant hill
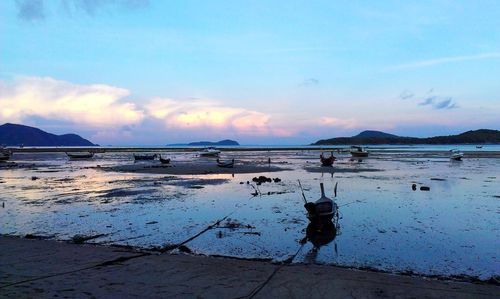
374, 134
374, 137
15, 135
226, 142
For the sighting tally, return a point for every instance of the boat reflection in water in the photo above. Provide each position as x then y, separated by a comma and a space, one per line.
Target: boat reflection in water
323, 226
319, 234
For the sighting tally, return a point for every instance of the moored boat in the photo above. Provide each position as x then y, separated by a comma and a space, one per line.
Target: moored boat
225, 164
357, 151
327, 161
5, 155
322, 210
142, 157
80, 155
164, 160
209, 152
456, 155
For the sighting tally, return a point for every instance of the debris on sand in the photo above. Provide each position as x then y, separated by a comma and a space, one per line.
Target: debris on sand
184, 249
152, 222
425, 188
263, 179
437, 179
37, 237
80, 239
414, 187
234, 224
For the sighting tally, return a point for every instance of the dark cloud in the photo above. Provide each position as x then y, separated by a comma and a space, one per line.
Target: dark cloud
309, 82
439, 103
427, 101
30, 10
445, 104
406, 94
92, 7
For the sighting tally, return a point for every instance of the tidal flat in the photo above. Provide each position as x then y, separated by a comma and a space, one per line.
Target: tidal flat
452, 230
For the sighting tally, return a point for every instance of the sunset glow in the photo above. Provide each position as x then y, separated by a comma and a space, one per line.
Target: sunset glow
174, 72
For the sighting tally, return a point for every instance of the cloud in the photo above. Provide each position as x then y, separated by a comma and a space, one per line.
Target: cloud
337, 122
427, 101
202, 114
30, 10
92, 7
94, 105
406, 94
34, 10
444, 103
443, 60
310, 82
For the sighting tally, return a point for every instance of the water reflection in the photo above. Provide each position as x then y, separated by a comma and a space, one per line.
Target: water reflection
319, 234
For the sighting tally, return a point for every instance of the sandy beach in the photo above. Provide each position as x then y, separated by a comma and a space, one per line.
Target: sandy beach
45, 269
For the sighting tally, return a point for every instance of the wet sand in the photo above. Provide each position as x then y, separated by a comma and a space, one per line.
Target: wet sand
385, 225
46, 269
191, 168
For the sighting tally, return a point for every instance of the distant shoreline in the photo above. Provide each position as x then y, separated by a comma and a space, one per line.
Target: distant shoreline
243, 148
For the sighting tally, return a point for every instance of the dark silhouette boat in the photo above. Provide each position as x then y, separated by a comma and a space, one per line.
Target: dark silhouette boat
327, 161
323, 210
80, 155
164, 160
225, 164
5, 155
143, 157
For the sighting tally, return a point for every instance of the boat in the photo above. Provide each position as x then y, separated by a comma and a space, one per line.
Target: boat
80, 155
227, 164
322, 210
142, 157
327, 161
5, 155
164, 160
209, 152
456, 155
357, 151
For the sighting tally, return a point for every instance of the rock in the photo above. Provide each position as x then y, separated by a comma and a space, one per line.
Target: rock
277, 180
34, 178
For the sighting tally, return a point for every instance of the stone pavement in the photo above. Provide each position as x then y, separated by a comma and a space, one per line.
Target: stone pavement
48, 269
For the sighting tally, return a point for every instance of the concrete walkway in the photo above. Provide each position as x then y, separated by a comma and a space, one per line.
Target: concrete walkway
47, 269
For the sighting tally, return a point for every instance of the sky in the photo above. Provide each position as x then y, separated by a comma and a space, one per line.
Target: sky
147, 72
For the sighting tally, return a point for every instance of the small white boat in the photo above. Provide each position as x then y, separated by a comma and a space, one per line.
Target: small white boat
357, 151
80, 155
456, 155
209, 152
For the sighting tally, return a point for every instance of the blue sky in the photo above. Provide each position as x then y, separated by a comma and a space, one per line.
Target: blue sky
289, 72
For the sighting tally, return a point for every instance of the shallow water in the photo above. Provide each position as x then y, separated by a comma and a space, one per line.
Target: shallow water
453, 229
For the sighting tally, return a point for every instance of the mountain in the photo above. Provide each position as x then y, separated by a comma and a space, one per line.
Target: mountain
374, 134
225, 142
374, 137
15, 135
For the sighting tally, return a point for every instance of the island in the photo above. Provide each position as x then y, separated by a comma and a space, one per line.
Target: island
482, 136
225, 142
21, 135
